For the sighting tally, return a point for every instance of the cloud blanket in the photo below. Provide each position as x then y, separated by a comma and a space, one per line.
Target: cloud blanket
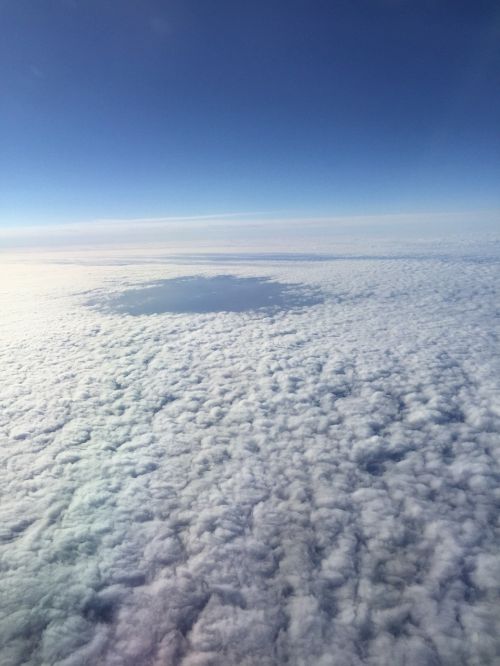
312, 486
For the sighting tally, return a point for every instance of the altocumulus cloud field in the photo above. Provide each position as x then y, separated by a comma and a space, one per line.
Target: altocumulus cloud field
317, 485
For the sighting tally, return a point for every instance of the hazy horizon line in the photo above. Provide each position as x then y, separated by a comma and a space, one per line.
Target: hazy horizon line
262, 217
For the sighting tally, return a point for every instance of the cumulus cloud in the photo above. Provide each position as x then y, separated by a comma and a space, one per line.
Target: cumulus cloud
313, 486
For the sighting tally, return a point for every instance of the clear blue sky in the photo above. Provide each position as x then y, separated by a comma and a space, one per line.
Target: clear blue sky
138, 108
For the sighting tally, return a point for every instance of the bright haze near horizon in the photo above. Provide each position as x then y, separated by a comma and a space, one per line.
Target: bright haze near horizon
249, 333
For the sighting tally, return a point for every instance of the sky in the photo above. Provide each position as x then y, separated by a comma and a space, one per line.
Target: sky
125, 110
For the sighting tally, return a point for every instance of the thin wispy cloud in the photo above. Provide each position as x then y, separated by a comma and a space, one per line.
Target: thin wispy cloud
240, 227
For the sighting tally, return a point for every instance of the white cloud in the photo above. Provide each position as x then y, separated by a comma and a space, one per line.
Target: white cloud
311, 487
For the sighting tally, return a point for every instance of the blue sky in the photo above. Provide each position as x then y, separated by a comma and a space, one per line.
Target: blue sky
128, 109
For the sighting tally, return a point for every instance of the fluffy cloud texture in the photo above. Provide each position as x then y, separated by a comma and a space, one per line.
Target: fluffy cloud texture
313, 486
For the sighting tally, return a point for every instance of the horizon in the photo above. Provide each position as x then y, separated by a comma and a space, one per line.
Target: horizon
240, 229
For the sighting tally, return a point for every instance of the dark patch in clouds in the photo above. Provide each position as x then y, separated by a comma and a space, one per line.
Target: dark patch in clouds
313, 487
221, 293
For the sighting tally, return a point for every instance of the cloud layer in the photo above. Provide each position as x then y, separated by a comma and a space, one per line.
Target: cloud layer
306, 487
